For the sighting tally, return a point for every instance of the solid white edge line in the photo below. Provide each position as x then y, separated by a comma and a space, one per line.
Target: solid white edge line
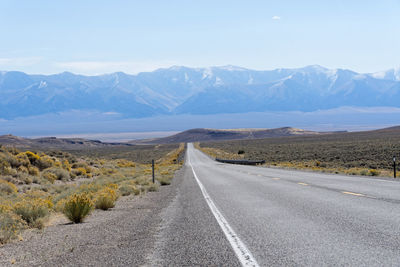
241, 251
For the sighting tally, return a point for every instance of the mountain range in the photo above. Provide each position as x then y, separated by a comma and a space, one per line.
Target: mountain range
183, 90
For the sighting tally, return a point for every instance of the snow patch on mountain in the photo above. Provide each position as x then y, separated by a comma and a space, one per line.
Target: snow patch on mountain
218, 81
392, 74
42, 84
251, 80
231, 68
207, 73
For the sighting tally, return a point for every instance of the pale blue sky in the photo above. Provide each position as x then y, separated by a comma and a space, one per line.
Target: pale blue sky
102, 36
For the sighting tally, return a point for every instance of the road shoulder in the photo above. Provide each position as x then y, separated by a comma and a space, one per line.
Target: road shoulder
189, 234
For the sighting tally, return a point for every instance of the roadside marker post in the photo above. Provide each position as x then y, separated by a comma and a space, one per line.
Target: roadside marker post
394, 166
152, 169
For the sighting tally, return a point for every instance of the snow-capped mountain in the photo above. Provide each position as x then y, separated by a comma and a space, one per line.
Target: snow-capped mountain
183, 90
392, 74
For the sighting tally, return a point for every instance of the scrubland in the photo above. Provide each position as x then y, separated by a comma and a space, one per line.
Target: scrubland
361, 153
35, 185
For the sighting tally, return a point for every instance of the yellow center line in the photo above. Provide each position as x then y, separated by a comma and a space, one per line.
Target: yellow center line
276, 178
302, 183
354, 194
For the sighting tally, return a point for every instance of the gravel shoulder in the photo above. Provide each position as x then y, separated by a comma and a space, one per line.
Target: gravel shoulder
124, 235
189, 234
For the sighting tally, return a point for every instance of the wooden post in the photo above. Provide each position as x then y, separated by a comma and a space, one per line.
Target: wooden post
152, 169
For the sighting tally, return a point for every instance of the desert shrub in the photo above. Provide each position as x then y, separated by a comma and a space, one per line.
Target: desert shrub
89, 188
66, 165
13, 161
49, 176
107, 171
23, 178
127, 189
9, 171
33, 158
57, 164
18, 160
44, 162
123, 163
363, 172
4, 166
10, 226
61, 174
80, 164
7, 188
172, 157
164, 180
80, 171
60, 205
240, 152
77, 207
143, 181
153, 187
105, 198
23, 169
373, 172
33, 210
88, 169
34, 171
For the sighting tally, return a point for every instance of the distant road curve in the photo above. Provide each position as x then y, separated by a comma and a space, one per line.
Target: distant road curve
280, 217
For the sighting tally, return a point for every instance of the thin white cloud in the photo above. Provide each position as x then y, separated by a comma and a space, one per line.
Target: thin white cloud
276, 18
101, 67
19, 62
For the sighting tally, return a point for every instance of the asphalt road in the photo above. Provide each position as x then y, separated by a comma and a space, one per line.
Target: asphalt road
282, 218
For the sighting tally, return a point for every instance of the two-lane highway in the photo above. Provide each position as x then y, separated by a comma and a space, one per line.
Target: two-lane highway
279, 217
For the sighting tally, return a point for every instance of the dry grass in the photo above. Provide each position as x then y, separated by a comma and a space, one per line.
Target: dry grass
363, 153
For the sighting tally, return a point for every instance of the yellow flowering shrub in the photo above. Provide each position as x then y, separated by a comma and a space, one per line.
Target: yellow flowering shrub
22, 169
105, 198
10, 226
60, 173
77, 207
172, 157
60, 205
33, 158
45, 162
49, 176
57, 164
23, 159
32, 210
107, 171
4, 166
7, 188
123, 163
34, 171
128, 188
66, 165
79, 171
5, 205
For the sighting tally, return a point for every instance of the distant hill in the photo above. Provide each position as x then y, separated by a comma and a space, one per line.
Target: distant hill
54, 143
201, 134
192, 135
182, 90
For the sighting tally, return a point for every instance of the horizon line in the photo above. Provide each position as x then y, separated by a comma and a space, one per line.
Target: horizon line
234, 68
